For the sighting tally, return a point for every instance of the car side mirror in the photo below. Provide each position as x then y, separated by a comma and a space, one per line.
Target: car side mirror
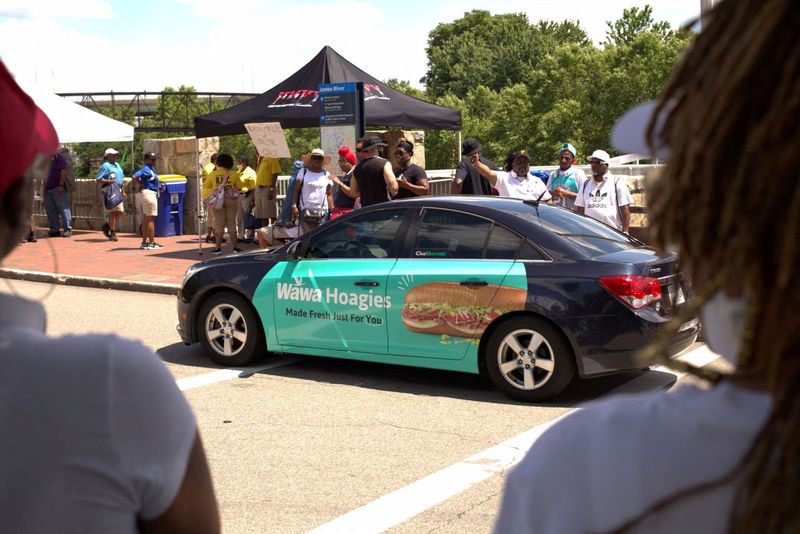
293, 252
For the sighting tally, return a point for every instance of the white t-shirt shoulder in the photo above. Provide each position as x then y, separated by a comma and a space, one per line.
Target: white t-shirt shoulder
107, 438
528, 187
605, 464
313, 194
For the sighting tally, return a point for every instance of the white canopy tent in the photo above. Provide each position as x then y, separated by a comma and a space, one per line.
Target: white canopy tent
77, 124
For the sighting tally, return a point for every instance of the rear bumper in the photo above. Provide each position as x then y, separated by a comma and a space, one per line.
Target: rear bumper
605, 345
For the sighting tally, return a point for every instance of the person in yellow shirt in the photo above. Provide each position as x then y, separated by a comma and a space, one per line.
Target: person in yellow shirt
247, 198
267, 171
226, 216
208, 168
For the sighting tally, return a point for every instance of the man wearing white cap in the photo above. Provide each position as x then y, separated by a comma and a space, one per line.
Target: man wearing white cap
565, 182
605, 197
111, 172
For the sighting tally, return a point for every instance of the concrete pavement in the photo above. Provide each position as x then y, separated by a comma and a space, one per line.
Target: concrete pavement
89, 259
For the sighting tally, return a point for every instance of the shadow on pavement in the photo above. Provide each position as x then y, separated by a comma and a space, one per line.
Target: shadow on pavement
417, 381
189, 355
434, 383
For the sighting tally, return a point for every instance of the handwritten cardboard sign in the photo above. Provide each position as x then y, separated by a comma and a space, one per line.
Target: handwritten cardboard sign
269, 139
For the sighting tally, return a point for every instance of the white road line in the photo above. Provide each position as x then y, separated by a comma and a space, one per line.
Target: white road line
222, 375
409, 501
413, 499
699, 357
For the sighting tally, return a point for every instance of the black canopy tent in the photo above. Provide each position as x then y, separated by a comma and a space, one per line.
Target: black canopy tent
293, 102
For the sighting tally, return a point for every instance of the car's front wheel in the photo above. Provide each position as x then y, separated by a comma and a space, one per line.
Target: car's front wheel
228, 329
528, 359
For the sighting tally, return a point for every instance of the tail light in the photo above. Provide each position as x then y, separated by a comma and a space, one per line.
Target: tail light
634, 290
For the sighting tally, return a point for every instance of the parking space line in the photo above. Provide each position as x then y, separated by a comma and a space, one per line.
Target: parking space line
409, 501
222, 375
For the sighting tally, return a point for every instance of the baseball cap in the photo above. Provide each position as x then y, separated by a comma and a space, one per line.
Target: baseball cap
470, 146
602, 155
569, 147
149, 155
371, 142
629, 134
26, 131
110, 151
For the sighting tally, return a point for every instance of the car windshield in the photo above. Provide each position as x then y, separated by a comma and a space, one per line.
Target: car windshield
593, 237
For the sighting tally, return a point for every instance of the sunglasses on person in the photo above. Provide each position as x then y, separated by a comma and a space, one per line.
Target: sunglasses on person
317, 157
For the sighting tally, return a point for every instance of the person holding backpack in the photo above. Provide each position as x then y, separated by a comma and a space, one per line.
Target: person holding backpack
606, 197
312, 199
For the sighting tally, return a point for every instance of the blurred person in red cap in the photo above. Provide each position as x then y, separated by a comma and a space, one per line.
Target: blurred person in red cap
343, 197
96, 435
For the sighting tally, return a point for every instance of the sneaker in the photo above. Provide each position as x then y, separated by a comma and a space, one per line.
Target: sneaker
155, 245
53, 234
113, 236
144, 246
216, 251
106, 230
67, 233
236, 250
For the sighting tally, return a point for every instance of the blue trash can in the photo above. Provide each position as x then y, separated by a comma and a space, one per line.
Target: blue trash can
169, 220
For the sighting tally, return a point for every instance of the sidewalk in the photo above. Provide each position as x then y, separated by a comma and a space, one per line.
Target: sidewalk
89, 259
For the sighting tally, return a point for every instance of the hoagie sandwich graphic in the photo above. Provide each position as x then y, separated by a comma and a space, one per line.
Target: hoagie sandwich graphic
453, 309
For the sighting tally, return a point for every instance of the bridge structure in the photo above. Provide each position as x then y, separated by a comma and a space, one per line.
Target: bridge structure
158, 111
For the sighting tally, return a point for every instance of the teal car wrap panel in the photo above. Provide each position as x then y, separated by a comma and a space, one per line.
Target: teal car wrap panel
353, 309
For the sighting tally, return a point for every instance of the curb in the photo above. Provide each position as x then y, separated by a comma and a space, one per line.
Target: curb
89, 281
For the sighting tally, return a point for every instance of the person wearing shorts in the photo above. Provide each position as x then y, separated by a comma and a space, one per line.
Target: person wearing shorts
148, 178
267, 172
225, 216
112, 172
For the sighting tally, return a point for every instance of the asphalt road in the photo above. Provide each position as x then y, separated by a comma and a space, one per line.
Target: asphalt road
297, 443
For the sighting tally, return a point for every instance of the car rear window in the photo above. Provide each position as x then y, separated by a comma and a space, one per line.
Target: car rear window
593, 237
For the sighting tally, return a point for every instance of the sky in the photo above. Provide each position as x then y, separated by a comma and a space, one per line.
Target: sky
249, 45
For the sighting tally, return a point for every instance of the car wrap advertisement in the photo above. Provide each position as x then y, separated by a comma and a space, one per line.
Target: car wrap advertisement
407, 307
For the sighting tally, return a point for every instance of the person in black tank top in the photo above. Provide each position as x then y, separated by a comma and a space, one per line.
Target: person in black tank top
373, 179
411, 178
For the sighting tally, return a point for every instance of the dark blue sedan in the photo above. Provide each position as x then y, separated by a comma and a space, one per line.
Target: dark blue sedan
527, 294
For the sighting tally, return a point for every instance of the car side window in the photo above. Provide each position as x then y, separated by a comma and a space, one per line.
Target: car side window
450, 234
503, 244
368, 235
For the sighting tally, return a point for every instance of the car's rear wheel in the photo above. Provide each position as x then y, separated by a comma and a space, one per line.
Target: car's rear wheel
528, 359
228, 329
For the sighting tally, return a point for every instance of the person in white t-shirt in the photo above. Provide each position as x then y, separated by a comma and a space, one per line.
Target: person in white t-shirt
720, 454
605, 197
565, 182
518, 183
312, 200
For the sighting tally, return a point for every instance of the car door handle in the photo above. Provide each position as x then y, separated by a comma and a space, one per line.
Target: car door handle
368, 283
475, 283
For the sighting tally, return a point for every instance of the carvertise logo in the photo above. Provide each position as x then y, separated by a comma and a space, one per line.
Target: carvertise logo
431, 253
363, 301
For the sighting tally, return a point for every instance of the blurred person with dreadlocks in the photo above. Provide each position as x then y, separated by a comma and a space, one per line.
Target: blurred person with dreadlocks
722, 456
97, 437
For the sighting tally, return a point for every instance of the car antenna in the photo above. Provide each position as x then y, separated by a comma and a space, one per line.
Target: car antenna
535, 203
